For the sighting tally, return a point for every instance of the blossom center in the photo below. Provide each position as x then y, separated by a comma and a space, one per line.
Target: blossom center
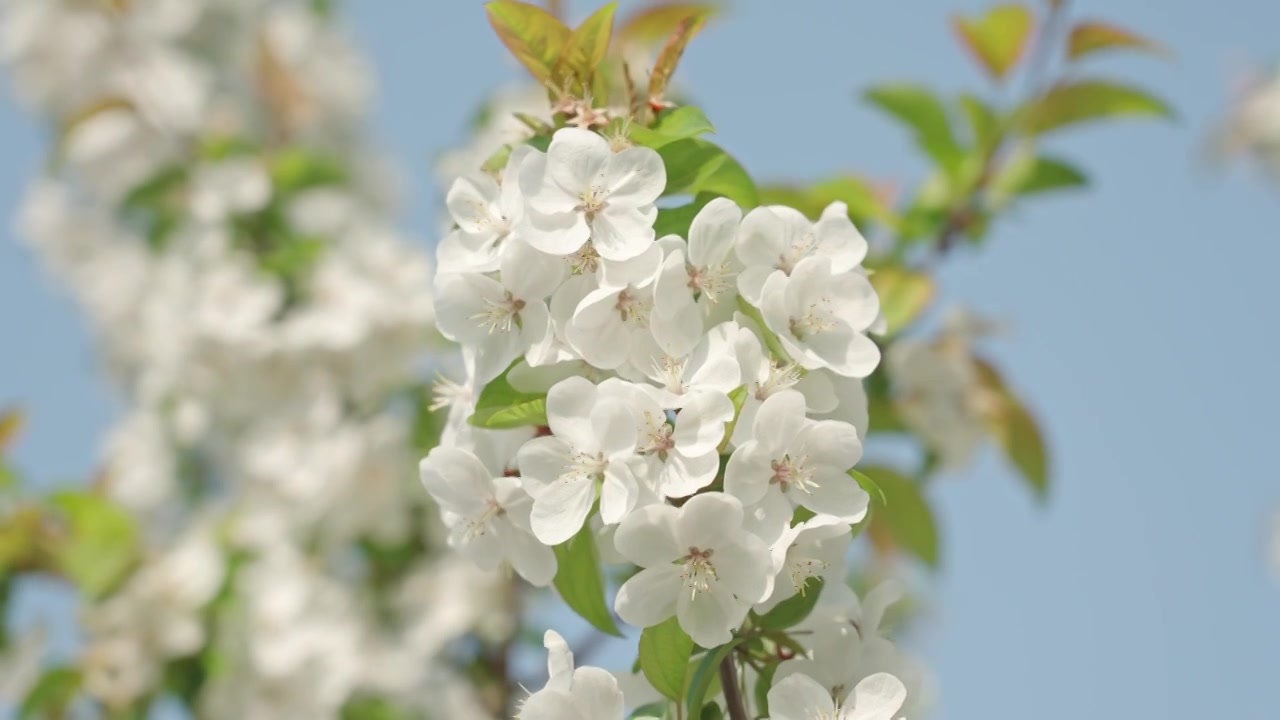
486, 219
501, 315
779, 377
712, 282
592, 200
800, 249
479, 525
699, 572
670, 372
791, 473
817, 318
658, 438
632, 308
585, 465
801, 569
586, 260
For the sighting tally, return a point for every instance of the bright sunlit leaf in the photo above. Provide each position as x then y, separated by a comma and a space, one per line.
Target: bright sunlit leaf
534, 36
584, 51
998, 39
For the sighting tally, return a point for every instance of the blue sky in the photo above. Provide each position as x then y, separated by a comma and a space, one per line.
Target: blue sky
1138, 314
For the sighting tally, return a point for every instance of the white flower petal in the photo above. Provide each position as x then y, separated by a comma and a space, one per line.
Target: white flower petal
647, 537
799, 697
649, 596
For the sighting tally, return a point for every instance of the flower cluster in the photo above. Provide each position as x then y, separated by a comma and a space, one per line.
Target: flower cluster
693, 403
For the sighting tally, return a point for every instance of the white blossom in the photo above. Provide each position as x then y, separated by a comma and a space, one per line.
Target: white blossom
700, 565
487, 513
593, 439
878, 697
804, 461
588, 193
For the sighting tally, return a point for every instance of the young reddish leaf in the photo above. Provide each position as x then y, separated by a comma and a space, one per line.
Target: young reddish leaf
584, 51
1072, 103
998, 38
669, 58
10, 425
652, 24
534, 36
1091, 36
1016, 430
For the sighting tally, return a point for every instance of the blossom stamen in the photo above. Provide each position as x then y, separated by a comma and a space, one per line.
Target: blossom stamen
791, 473
699, 572
501, 315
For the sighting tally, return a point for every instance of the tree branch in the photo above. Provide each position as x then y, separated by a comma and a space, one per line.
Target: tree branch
732, 693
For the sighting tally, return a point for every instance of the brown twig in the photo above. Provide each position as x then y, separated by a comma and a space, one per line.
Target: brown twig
732, 693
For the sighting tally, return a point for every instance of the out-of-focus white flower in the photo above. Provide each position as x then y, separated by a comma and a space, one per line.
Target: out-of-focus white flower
938, 391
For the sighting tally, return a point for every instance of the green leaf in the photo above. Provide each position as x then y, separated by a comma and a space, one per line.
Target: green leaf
1075, 102
664, 657
871, 487
101, 542
1091, 37
652, 24
906, 514
712, 711
764, 683
502, 407
584, 51
707, 675
669, 57
652, 711
795, 609
581, 582
676, 220
534, 36
904, 295
52, 695
298, 169
919, 109
771, 340
368, 707
676, 124
1028, 175
997, 39
739, 398
984, 122
698, 166
1016, 430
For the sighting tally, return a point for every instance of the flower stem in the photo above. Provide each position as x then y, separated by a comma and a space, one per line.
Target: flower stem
732, 693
